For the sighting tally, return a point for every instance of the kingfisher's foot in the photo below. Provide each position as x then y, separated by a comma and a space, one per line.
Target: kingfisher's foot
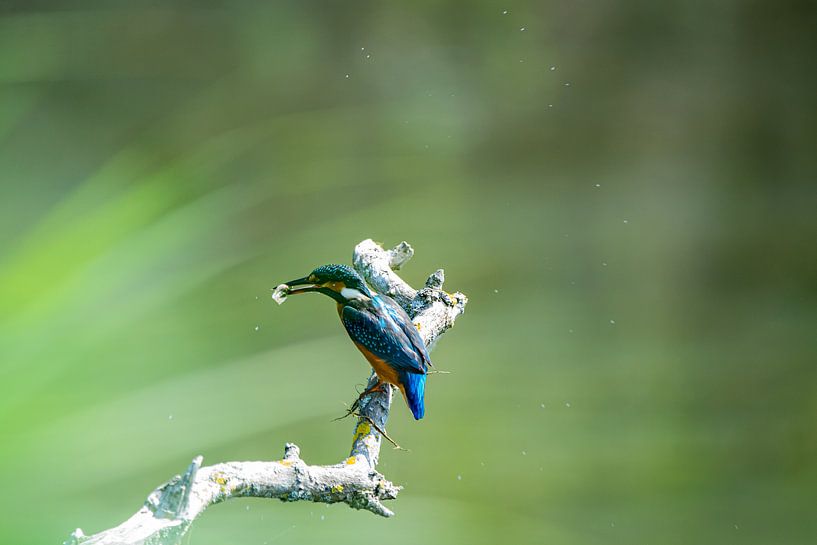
378, 387
356, 405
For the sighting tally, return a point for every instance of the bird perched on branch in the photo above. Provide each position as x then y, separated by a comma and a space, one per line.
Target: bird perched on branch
377, 325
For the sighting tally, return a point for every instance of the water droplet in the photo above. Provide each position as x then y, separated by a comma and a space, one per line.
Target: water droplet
322, 517
552, 68
504, 12
570, 331
368, 56
248, 508
170, 417
459, 477
598, 185
550, 105
347, 76
626, 221
496, 291
542, 405
567, 404
524, 453
603, 263
522, 29
567, 84
613, 322
257, 328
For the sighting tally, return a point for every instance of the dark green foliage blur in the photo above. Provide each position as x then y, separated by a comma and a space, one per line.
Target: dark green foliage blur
625, 190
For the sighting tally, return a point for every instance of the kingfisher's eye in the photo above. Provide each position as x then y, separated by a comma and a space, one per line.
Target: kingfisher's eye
312, 278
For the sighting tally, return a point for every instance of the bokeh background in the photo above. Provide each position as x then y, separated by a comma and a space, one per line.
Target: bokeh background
625, 190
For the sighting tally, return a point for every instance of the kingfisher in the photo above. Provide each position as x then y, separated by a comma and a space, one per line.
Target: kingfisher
378, 326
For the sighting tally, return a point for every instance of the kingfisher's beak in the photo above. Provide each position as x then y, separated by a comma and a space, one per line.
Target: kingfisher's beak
311, 286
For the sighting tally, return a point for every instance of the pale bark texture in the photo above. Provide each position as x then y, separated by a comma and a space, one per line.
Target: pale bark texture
171, 509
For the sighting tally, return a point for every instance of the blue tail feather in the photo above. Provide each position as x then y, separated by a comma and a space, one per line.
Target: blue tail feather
415, 386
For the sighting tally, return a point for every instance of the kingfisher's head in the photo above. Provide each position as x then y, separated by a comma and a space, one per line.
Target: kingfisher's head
340, 282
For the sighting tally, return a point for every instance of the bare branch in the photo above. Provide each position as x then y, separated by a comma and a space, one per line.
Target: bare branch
171, 509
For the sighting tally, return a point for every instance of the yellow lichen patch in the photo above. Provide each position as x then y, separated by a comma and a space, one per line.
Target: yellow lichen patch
351, 460
363, 428
418, 326
286, 463
221, 480
337, 489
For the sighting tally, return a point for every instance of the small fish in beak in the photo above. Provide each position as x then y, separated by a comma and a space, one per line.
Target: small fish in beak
279, 294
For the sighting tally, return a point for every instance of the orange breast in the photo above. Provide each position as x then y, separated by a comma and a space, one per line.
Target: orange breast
383, 369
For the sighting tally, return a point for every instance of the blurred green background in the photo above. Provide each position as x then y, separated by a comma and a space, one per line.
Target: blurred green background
625, 191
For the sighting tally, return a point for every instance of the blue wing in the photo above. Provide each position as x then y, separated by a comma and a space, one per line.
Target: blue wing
384, 338
406, 325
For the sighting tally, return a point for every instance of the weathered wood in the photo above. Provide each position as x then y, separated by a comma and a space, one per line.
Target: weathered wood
171, 509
